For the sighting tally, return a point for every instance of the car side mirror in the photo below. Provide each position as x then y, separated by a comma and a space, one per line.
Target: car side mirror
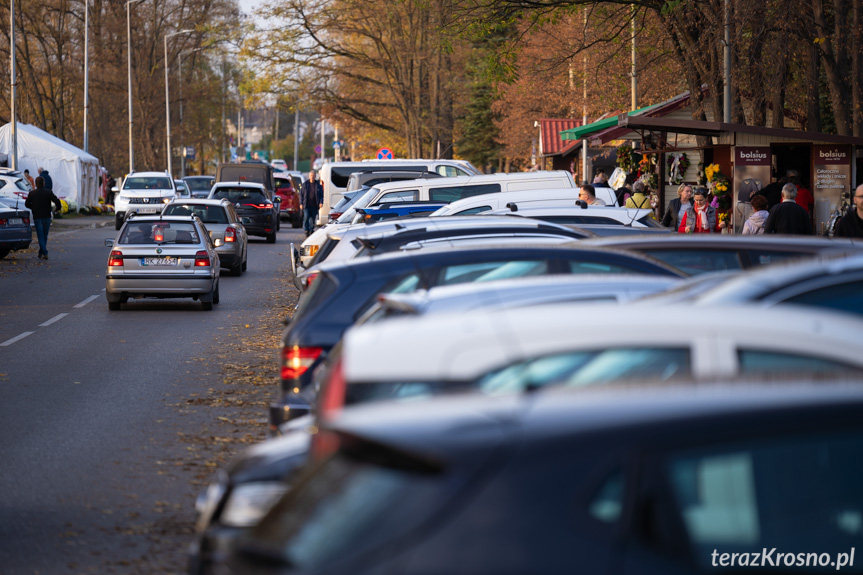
277, 200
581, 203
109, 243
115, 189
247, 220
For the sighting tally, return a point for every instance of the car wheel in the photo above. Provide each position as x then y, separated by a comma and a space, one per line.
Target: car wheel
245, 265
114, 305
216, 294
4, 253
118, 222
296, 221
207, 305
271, 238
278, 224
237, 270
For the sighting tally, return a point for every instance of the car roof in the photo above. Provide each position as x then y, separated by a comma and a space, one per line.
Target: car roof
444, 427
730, 240
199, 202
199, 178
159, 218
461, 345
149, 175
239, 185
476, 179
388, 227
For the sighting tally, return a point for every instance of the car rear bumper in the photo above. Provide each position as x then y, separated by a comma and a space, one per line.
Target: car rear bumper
164, 285
16, 239
229, 254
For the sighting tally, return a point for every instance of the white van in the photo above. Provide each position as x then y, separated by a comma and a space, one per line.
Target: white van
334, 175
557, 196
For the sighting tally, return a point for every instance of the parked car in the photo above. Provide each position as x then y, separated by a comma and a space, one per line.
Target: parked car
703, 253
224, 226
143, 193
372, 177
279, 165
830, 283
346, 202
556, 196
582, 215
290, 207
162, 257
339, 292
370, 215
665, 480
259, 214
199, 186
13, 186
15, 232
17, 204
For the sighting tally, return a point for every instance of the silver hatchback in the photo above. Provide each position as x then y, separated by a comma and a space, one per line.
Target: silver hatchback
225, 228
162, 257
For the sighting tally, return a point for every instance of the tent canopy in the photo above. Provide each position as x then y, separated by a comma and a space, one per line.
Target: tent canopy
582, 131
75, 173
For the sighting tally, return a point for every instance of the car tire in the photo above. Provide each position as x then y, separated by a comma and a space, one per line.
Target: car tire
271, 238
237, 270
4, 253
216, 294
115, 305
278, 224
245, 264
296, 221
207, 306
118, 222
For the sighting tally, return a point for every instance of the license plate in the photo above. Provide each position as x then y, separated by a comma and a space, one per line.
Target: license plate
15, 221
147, 210
160, 261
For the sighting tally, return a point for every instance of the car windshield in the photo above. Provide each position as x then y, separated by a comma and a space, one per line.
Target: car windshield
360, 202
147, 183
159, 232
208, 214
199, 184
284, 183
21, 185
240, 195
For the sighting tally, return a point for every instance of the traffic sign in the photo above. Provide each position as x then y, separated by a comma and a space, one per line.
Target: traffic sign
385, 154
336, 145
318, 149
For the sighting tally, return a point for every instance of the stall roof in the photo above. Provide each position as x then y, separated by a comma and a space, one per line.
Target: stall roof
550, 142
582, 131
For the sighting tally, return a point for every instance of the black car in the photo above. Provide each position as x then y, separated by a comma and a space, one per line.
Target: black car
704, 253
339, 292
199, 186
15, 233
258, 212
664, 480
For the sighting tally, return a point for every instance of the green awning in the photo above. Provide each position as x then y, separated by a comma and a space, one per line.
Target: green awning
582, 131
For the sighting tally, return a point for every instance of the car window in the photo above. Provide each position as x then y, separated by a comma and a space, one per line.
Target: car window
400, 196
693, 262
843, 297
774, 362
147, 183
407, 284
766, 257
591, 367
577, 267
453, 193
318, 292
160, 233
240, 195
797, 494
450, 171
199, 184
22, 186
283, 183
489, 271
472, 211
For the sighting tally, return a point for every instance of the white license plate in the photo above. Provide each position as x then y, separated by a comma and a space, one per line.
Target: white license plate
147, 210
15, 221
160, 261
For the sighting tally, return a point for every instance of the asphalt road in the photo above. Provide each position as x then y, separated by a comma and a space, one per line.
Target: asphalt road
103, 440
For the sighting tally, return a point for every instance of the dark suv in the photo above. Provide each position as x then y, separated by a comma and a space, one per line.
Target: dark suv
259, 214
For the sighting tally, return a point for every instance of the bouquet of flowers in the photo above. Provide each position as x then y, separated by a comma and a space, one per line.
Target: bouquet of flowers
624, 157
647, 171
719, 186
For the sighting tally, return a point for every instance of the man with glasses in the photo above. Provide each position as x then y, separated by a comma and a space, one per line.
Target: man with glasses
851, 224
588, 194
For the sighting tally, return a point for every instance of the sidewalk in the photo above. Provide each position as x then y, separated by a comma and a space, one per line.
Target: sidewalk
84, 221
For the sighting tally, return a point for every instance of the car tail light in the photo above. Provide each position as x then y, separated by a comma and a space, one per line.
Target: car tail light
158, 235
312, 249
202, 259
230, 235
309, 279
333, 392
297, 360
115, 259
26, 220
2, 222
335, 215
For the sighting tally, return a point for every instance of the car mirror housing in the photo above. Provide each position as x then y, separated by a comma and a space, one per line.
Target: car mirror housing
109, 243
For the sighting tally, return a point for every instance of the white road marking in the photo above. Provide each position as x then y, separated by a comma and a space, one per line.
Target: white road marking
86, 301
57, 317
16, 338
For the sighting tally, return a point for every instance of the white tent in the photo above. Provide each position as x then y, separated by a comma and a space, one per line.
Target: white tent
75, 173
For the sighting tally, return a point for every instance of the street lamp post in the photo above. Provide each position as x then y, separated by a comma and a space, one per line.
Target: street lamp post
129, 52
167, 101
14, 84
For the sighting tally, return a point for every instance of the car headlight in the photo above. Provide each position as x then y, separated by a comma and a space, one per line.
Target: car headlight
166, 200
248, 503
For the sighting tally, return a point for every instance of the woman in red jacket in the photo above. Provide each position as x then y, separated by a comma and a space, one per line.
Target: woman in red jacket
700, 218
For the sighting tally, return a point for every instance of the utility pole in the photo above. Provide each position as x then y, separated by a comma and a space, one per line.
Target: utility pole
634, 72
86, 72
726, 96
14, 80
323, 149
297, 137
584, 108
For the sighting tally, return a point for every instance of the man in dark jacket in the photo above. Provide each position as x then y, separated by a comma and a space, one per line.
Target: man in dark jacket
773, 192
49, 183
851, 224
311, 200
787, 217
39, 202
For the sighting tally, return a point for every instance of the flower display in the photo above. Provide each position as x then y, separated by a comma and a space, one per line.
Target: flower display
677, 163
624, 157
719, 186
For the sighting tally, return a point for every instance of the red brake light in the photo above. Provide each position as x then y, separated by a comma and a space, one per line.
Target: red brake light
335, 215
202, 259
296, 360
2, 222
26, 220
115, 259
309, 279
230, 235
333, 392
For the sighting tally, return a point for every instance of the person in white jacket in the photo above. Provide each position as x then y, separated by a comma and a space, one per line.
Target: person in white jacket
755, 224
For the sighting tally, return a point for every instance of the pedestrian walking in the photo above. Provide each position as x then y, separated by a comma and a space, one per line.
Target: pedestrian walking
311, 201
851, 224
588, 194
787, 217
701, 217
29, 178
755, 224
39, 202
677, 207
49, 183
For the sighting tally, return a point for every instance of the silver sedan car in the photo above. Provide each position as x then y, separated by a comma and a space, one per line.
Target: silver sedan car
162, 257
225, 228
